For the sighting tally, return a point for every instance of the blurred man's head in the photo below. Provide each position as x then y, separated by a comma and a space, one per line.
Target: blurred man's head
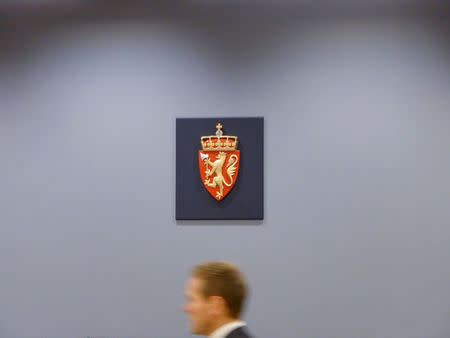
215, 295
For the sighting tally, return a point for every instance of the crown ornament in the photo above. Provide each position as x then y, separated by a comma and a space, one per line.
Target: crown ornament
219, 142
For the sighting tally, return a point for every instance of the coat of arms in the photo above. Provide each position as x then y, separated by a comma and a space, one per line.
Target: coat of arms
219, 163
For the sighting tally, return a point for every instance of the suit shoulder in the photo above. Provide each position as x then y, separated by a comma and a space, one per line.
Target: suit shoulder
239, 333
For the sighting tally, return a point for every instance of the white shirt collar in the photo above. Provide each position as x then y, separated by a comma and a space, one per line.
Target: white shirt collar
223, 331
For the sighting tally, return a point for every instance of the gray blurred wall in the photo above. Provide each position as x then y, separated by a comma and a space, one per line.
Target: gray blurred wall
356, 236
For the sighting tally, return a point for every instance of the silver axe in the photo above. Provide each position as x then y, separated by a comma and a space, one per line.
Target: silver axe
203, 157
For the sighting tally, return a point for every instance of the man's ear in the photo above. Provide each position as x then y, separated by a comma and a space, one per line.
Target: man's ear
219, 305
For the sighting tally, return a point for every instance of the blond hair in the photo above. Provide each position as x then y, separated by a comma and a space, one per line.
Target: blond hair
223, 279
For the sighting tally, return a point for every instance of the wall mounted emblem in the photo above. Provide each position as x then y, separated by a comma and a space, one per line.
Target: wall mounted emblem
219, 163
219, 168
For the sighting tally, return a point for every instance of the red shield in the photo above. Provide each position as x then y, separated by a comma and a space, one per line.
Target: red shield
219, 171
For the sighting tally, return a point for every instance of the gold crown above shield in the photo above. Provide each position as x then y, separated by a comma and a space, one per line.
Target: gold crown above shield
219, 142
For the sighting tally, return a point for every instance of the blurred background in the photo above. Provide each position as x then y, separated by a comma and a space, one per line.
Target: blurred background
355, 96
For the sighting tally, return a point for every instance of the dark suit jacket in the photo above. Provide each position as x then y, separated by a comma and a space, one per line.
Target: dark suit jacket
240, 332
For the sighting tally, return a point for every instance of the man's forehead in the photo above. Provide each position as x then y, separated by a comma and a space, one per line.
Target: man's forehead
193, 285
